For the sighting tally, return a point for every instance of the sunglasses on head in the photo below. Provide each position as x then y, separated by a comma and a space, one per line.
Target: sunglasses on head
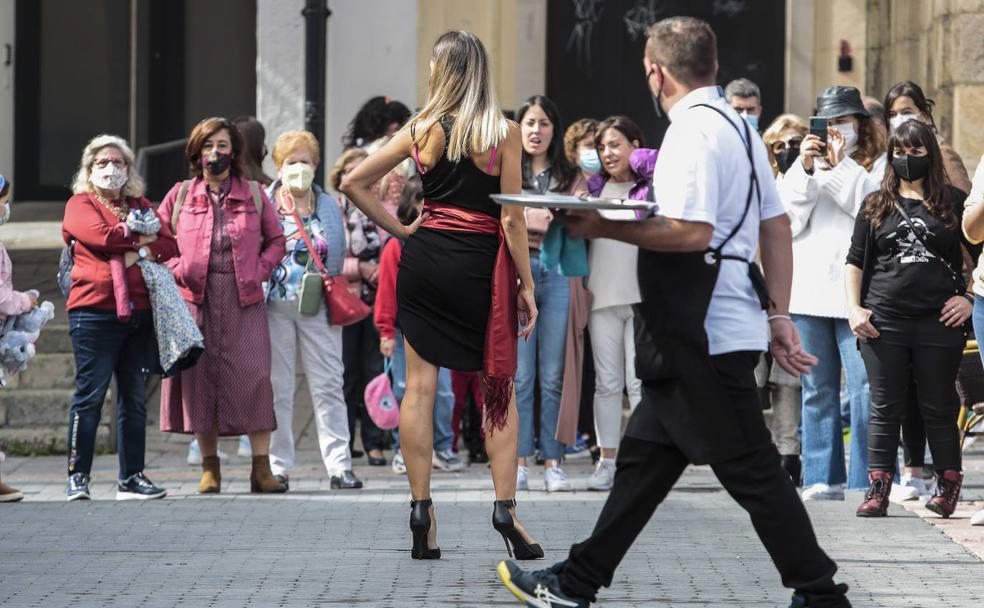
779, 146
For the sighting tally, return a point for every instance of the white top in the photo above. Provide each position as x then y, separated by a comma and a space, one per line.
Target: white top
702, 175
976, 197
613, 278
822, 208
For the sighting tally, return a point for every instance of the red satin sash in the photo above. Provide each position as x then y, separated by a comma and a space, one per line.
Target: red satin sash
501, 334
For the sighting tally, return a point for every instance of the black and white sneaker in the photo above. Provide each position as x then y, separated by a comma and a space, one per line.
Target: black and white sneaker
138, 487
78, 487
539, 589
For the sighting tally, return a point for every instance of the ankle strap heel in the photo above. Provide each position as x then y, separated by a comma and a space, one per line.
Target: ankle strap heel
503, 523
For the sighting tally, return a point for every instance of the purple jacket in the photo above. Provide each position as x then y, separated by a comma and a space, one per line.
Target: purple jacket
258, 243
642, 161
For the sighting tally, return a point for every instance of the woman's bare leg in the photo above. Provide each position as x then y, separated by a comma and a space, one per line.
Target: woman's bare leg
417, 429
502, 446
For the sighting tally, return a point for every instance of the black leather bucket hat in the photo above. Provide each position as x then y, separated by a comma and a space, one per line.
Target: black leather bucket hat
833, 102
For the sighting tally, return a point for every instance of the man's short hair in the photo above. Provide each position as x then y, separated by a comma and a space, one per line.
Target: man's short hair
686, 47
742, 87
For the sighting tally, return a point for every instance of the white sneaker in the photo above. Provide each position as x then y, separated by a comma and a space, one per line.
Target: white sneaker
195, 454
555, 480
446, 461
977, 519
522, 478
399, 467
908, 488
822, 491
245, 448
603, 476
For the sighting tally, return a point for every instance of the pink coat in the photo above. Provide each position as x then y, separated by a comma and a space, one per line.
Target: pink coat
258, 243
11, 302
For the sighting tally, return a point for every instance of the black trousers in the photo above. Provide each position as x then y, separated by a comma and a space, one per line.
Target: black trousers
927, 353
646, 472
913, 432
363, 362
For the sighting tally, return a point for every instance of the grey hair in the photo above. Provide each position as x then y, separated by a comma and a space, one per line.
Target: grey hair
134, 186
742, 87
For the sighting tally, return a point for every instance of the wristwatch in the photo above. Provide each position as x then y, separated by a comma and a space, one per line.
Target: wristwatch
143, 252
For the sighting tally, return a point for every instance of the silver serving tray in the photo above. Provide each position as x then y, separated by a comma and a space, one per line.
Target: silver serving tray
563, 201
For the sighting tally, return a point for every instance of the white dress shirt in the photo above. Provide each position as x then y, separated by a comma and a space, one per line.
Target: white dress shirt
702, 175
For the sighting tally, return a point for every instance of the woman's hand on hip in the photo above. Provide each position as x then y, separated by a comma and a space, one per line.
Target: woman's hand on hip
421, 218
860, 320
956, 311
526, 304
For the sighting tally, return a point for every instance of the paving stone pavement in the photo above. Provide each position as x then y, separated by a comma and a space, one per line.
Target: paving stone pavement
316, 547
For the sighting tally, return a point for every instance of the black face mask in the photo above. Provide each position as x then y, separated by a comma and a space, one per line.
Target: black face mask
786, 158
217, 165
911, 168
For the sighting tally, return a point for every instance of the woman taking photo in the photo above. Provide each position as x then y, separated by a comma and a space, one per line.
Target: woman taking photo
626, 173
823, 192
230, 239
110, 336
303, 205
908, 304
541, 357
457, 285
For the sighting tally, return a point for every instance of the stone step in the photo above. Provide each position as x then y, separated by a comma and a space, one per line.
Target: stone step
46, 371
35, 407
54, 339
48, 440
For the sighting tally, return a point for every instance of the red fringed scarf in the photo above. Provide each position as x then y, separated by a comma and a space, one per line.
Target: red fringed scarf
501, 334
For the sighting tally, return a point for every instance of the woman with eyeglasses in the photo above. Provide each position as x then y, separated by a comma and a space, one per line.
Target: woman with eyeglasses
781, 389
109, 315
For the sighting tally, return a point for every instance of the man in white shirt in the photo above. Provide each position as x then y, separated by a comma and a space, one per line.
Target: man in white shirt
700, 329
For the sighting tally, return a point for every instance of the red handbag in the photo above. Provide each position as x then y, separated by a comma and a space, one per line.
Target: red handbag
344, 307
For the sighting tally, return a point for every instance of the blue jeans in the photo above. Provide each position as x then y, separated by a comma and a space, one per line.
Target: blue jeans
832, 342
103, 346
543, 355
978, 318
443, 404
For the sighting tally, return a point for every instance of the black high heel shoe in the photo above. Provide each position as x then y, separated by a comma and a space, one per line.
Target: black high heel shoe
502, 521
420, 524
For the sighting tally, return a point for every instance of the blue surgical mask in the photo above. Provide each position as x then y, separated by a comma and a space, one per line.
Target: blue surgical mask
752, 120
589, 161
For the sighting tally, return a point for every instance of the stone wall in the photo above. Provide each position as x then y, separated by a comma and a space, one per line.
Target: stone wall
938, 44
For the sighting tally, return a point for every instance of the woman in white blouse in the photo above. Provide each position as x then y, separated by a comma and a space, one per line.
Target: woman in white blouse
823, 193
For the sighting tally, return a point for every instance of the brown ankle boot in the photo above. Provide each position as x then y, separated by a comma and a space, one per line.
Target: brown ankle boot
211, 482
876, 498
944, 500
261, 479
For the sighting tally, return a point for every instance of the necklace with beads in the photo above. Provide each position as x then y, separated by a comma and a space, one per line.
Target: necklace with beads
113, 208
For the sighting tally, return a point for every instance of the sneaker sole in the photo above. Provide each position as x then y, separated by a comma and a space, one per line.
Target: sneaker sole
79, 497
135, 496
506, 579
599, 488
824, 497
13, 497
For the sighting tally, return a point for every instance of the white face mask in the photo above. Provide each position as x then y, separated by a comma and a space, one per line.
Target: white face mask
896, 121
297, 176
850, 136
109, 177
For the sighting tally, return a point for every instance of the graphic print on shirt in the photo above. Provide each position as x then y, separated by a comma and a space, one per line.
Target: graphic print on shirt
286, 277
909, 249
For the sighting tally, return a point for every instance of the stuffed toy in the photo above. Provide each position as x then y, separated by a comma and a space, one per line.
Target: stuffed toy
16, 349
31, 322
143, 221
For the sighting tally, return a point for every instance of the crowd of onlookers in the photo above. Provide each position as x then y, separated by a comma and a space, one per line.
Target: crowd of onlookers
886, 228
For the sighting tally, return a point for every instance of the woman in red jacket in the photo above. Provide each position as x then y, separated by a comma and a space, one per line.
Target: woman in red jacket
230, 239
109, 317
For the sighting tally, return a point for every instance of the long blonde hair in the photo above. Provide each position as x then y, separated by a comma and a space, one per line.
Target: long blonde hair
134, 186
461, 82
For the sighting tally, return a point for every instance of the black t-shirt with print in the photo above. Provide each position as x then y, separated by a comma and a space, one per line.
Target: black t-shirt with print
905, 280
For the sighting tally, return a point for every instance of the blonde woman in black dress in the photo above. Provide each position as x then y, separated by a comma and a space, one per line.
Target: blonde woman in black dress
458, 296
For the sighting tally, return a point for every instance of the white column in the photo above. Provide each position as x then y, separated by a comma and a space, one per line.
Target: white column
279, 68
7, 20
